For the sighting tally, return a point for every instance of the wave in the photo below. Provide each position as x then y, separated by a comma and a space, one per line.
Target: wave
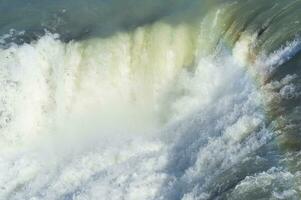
163, 100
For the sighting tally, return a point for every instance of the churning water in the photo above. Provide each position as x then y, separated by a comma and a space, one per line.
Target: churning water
150, 99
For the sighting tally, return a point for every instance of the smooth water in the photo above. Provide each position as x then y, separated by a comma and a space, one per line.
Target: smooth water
152, 99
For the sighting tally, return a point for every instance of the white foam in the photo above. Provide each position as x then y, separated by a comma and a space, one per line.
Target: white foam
122, 118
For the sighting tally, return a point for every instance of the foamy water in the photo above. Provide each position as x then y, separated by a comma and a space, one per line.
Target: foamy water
162, 111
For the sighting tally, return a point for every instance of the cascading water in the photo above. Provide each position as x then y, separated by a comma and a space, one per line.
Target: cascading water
152, 99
